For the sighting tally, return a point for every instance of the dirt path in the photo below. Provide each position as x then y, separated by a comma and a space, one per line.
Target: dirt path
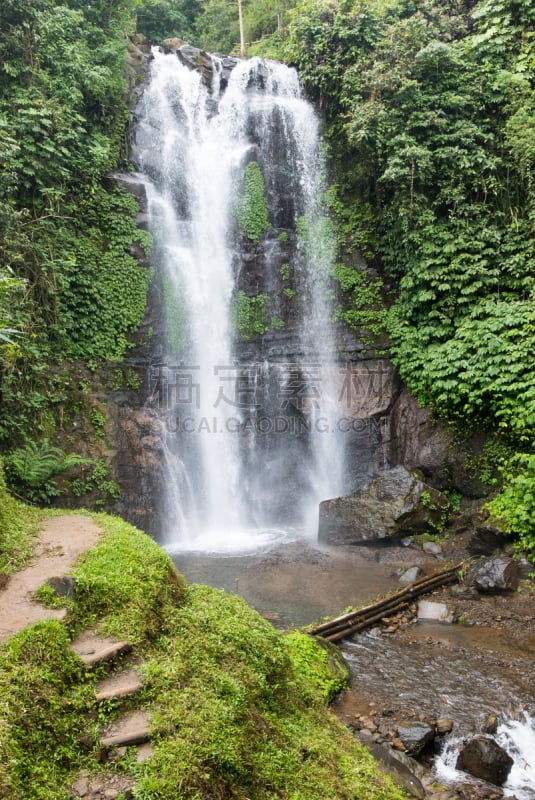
63, 539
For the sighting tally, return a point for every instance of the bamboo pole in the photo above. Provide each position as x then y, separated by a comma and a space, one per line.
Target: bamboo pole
355, 621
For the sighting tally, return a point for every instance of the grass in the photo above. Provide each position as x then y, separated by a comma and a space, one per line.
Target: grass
19, 525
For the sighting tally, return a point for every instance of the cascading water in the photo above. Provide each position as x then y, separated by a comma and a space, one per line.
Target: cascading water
517, 737
196, 138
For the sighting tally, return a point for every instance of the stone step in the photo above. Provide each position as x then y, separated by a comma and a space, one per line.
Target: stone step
95, 650
119, 685
130, 729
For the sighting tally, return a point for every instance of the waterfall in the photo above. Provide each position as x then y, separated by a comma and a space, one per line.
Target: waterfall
224, 384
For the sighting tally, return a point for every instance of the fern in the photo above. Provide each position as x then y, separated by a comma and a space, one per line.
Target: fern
38, 462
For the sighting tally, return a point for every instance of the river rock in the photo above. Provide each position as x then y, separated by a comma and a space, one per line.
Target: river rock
490, 723
433, 612
410, 575
432, 548
415, 735
63, 585
337, 664
443, 725
483, 758
401, 774
494, 575
396, 502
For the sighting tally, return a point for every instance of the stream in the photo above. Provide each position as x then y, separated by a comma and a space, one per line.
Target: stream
456, 671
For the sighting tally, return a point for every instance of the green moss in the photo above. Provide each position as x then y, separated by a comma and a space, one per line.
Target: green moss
320, 663
251, 208
276, 323
47, 696
285, 272
127, 582
239, 711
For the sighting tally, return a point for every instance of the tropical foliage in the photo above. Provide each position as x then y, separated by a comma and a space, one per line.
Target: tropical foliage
69, 287
429, 118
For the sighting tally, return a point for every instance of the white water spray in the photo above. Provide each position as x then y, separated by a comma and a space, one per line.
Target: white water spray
517, 737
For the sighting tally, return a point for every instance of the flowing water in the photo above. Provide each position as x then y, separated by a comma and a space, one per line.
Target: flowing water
194, 141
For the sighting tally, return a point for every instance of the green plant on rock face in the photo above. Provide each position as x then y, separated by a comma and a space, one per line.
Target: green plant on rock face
251, 209
250, 315
276, 323
121, 379
30, 469
98, 481
515, 504
285, 272
98, 421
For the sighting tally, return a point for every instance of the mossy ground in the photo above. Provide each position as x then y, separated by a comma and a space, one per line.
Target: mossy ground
19, 524
238, 710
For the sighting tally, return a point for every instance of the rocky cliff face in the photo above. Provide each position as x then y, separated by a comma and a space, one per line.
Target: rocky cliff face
382, 426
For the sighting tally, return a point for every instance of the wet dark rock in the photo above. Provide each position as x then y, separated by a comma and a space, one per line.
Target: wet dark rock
483, 758
464, 592
494, 575
395, 502
415, 736
488, 537
490, 723
132, 183
200, 60
443, 725
62, 585
525, 568
401, 774
172, 45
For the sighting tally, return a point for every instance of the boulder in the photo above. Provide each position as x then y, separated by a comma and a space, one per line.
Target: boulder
172, 45
402, 774
494, 575
396, 502
415, 735
199, 60
483, 758
443, 725
337, 664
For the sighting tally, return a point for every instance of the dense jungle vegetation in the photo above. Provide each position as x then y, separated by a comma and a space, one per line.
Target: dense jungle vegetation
429, 114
